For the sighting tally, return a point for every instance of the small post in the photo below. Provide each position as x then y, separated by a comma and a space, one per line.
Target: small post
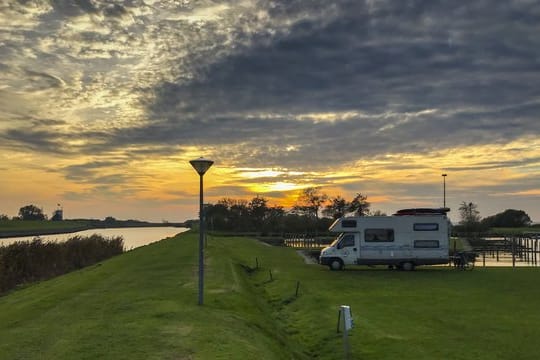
453, 254
338, 320
345, 312
535, 252
270, 272
297, 288
513, 252
256, 263
484, 258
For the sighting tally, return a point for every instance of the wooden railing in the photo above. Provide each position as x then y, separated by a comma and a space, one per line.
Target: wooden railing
306, 241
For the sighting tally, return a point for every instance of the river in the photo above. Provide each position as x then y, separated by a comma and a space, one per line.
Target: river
133, 237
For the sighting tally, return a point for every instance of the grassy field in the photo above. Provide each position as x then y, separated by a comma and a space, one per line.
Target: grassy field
30, 225
142, 305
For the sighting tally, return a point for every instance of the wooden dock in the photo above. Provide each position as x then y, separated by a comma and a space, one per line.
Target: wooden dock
517, 250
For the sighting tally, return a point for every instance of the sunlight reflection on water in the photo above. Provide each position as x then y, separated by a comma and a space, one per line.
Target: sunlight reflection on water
133, 237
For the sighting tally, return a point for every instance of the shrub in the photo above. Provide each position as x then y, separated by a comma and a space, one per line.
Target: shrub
29, 261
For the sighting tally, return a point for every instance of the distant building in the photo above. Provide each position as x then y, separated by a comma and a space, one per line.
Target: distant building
58, 214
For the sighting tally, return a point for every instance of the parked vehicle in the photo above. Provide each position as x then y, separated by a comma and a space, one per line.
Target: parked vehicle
407, 239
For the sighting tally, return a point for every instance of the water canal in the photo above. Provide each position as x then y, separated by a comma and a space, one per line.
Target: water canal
133, 237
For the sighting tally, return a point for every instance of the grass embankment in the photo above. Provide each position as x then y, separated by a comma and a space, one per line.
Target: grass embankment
142, 305
28, 226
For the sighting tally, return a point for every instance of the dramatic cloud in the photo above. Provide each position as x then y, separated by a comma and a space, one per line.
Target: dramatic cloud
307, 88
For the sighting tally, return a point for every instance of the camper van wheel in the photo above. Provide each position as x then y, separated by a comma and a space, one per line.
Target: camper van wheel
336, 264
407, 266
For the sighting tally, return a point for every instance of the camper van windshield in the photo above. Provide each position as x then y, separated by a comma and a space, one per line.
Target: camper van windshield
336, 240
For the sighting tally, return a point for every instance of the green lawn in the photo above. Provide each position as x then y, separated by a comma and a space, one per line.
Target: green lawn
142, 305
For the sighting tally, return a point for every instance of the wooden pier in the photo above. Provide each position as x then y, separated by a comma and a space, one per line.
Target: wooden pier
516, 250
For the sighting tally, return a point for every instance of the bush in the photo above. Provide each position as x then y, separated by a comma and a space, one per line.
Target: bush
29, 261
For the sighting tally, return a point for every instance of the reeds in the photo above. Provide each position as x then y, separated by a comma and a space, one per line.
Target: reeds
30, 261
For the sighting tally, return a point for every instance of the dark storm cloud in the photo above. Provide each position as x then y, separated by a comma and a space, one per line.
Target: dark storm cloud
359, 60
90, 171
487, 165
291, 84
30, 139
476, 65
40, 135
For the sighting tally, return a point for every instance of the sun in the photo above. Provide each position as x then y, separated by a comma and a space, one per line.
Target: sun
274, 186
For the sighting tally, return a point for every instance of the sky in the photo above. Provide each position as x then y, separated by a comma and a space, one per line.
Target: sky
103, 104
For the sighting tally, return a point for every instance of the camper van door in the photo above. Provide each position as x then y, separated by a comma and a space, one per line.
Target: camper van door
347, 247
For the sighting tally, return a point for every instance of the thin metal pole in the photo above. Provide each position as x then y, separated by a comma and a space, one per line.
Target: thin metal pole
201, 244
444, 190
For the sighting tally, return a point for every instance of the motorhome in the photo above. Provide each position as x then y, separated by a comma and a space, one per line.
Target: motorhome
409, 238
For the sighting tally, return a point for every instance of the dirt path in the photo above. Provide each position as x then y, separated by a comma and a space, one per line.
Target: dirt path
307, 259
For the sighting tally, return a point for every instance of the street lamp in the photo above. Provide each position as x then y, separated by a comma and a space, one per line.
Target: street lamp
201, 165
444, 190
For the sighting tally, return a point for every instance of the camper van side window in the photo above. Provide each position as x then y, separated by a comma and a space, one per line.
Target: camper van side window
426, 227
423, 244
379, 235
348, 223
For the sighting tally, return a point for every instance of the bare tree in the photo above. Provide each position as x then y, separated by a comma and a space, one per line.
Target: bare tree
337, 208
310, 201
359, 205
470, 216
378, 213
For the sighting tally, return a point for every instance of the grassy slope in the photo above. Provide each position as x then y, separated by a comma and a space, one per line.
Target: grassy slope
142, 305
432, 313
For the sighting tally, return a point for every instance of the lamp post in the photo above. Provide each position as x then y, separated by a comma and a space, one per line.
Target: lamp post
201, 165
444, 190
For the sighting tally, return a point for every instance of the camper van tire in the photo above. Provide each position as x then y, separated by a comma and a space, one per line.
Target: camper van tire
336, 264
407, 266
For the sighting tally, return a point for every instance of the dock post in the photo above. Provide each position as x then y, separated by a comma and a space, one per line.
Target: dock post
513, 252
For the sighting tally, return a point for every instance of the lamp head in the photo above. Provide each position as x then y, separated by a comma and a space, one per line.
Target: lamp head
201, 165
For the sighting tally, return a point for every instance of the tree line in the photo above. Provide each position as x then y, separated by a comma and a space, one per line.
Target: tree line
27, 212
471, 221
314, 211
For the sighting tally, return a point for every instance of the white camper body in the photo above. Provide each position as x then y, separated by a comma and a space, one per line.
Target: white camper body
401, 241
